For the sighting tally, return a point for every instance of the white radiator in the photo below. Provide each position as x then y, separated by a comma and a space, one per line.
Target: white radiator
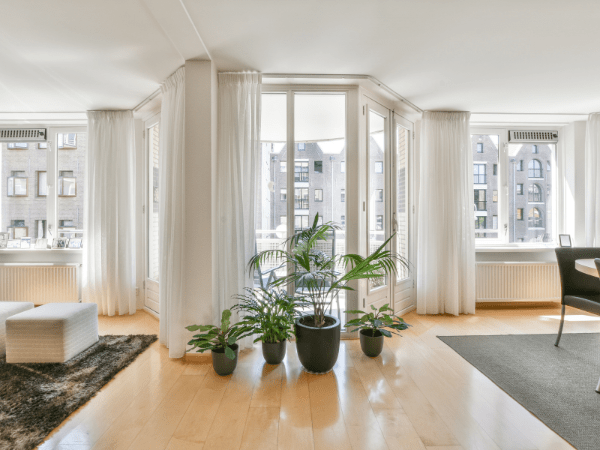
506, 281
39, 284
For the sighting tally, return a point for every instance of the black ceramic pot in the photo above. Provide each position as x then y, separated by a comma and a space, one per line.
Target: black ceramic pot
371, 345
274, 353
318, 348
221, 363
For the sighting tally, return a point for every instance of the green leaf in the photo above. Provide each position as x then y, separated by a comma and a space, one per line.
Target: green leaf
229, 353
386, 333
373, 308
231, 340
225, 320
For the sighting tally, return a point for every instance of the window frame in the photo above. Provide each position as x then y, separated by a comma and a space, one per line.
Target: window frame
503, 190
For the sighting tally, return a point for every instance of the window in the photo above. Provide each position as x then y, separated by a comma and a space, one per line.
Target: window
343, 167
343, 196
301, 171
343, 220
480, 147
18, 146
318, 166
479, 173
379, 222
153, 201
535, 169
520, 189
495, 171
67, 184
300, 222
283, 194
379, 195
17, 187
495, 196
535, 193
42, 183
283, 166
519, 213
480, 222
548, 166
67, 141
301, 198
520, 165
480, 203
495, 222
378, 166
535, 218
71, 168
318, 195
534, 149
301, 146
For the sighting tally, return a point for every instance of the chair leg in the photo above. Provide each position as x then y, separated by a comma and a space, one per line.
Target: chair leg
562, 322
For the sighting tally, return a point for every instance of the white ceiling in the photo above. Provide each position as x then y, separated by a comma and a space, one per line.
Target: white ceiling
534, 56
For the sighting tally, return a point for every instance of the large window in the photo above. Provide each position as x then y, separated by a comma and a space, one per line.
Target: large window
301, 198
301, 171
535, 169
485, 150
40, 188
479, 173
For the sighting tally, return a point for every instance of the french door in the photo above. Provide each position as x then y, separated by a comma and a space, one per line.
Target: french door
152, 139
389, 204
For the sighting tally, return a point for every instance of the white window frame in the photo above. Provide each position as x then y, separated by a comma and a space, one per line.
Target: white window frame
503, 191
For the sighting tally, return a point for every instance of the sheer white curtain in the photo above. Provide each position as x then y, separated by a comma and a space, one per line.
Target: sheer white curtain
592, 181
446, 223
109, 251
172, 214
237, 169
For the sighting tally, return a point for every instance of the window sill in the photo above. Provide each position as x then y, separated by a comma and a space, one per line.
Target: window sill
514, 249
29, 251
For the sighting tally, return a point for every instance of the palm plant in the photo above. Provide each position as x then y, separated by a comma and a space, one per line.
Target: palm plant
268, 313
317, 273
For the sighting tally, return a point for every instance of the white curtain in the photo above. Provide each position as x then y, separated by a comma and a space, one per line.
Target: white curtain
592, 181
109, 251
172, 214
237, 169
446, 222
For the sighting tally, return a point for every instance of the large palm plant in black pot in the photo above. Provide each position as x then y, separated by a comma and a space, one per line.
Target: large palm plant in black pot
319, 278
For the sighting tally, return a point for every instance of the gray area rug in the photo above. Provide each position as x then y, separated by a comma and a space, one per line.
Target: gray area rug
36, 398
556, 384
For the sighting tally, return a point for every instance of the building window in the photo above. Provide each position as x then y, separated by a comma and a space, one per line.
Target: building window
283, 166
534, 149
283, 220
495, 196
378, 223
343, 221
495, 222
480, 147
301, 147
535, 169
379, 195
343, 167
343, 196
479, 173
17, 186
378, 166
301, 171
283, 195
42, 183
300, 222
301, 198
495, 169
535, 193
67, 184
318, 195
67, 141
480, 203
519, 213
520, 165
318, 166
520, 189
535, 218
18, 146
548, 166
480, 222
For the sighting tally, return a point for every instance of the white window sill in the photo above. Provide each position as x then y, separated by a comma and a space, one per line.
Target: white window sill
514, 249
29, 251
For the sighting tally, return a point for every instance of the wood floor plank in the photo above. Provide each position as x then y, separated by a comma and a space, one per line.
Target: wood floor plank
261, 430
267, 390
178, 444
295, 418
398, 430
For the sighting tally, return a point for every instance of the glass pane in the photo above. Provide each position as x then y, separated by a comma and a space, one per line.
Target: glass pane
153, 201
485, 179
72, 148
271, 206
320, 181
23, 190
402, 140
377, 191
530, 192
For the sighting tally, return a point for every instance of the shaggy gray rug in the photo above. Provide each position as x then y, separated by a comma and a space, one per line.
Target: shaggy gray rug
36, 398
556, 384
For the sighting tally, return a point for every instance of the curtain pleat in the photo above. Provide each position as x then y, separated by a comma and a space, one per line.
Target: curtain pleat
446, 227
592, 181
237, 169
109, 271
172, 215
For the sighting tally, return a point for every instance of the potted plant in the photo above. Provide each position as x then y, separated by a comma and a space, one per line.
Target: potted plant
220, 341
319, 278
373, 326
269, 314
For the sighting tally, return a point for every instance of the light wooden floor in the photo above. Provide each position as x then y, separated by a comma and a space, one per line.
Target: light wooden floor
418, 395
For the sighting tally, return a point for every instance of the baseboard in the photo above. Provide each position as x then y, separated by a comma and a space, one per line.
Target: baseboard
152, 313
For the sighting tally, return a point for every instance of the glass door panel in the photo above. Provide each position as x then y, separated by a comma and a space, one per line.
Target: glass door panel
153, 201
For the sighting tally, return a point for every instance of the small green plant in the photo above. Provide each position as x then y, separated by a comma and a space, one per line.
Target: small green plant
268, 313
378, 320
216, 338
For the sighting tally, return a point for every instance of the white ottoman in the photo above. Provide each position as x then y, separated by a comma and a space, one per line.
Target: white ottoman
51, 333
8, 309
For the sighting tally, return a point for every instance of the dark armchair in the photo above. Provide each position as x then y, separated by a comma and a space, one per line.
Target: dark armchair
579, 290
